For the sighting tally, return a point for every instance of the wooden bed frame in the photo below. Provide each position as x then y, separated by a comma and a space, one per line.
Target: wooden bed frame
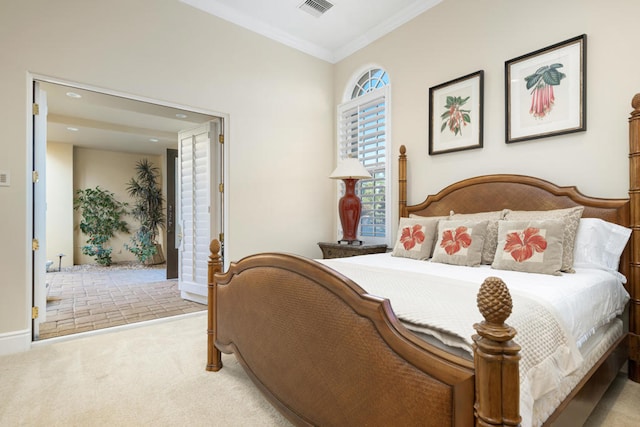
324, 352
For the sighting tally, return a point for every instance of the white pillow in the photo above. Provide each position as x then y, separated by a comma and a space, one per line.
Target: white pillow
599, 244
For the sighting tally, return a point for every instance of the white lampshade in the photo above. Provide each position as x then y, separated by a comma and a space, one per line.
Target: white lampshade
350, 168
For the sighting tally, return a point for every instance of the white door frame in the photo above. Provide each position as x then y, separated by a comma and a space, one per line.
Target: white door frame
39, 235
31, 78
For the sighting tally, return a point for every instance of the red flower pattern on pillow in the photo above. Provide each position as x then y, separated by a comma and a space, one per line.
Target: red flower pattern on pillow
412, 236
523, 245
454, 240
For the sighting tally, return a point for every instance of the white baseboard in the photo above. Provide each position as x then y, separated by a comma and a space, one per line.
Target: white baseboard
15, 342
113, 329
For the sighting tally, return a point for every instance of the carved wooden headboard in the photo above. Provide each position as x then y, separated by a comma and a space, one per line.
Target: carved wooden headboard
519, 192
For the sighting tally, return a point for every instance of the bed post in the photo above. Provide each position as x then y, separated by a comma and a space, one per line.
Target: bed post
214, 265
496, 358
402, 181
634, 270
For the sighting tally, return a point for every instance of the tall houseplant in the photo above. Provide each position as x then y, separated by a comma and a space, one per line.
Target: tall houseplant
101, 220
147, 209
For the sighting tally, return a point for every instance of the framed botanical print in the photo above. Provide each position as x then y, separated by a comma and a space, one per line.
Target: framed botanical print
546, 91
455, 114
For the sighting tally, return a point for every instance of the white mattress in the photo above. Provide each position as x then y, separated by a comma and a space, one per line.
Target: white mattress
593, 349
583, 304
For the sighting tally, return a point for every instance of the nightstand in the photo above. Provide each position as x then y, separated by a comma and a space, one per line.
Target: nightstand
337, 250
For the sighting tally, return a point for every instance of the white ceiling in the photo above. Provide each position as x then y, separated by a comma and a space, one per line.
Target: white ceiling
345, 28
113, 123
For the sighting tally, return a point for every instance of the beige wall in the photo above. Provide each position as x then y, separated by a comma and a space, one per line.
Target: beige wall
111, 171
459, 37
279, 103
60, 204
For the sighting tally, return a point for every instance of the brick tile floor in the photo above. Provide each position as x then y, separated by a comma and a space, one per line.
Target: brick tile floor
102, 297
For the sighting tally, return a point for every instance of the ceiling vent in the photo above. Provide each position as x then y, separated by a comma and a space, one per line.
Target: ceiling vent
315, 7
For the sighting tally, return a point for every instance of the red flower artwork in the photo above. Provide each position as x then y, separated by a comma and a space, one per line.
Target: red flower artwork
454, 240
542, 82
523, 245
411, 236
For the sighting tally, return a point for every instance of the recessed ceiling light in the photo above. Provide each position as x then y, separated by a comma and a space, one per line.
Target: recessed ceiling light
181, 116
73, 95
154, 139
72, 129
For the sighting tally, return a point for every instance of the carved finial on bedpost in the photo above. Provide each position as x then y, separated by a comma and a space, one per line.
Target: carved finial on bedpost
496, 358
215, 260
214, 357
635, 103
402, 181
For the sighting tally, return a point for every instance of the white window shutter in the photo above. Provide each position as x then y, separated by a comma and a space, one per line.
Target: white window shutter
362, 133
194, 211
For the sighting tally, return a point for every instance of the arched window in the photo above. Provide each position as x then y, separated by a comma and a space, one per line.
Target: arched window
362, 133
371, 80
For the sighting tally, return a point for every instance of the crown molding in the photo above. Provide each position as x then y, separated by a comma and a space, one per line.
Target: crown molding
333, 56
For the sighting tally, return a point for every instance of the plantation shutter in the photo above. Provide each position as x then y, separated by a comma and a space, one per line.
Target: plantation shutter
362, 134
195, 160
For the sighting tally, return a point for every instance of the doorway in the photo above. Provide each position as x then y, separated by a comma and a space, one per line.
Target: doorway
84, 122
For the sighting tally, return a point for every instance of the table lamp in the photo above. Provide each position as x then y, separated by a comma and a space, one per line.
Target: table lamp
350, 170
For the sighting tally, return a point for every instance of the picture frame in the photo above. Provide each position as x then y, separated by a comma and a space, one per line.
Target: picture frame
546, 91
456, 114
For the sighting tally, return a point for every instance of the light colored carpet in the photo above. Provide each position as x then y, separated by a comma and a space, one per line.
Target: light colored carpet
155, 375
619, 407
142, 376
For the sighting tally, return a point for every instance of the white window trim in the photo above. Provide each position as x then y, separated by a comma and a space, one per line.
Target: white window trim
386, 93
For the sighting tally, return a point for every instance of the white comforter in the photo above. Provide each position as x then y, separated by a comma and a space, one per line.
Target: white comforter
553, 315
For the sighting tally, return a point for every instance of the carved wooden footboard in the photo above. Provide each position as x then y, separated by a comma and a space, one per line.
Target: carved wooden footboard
326, 353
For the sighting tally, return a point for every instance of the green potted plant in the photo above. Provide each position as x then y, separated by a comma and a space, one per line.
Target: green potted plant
101, 219
147, 209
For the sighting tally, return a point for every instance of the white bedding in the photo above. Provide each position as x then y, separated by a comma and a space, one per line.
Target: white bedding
583, 301
569, 308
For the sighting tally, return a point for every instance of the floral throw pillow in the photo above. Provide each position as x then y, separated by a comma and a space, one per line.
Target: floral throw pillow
415, 238
571, 218
460, 242
491, 239
530, 246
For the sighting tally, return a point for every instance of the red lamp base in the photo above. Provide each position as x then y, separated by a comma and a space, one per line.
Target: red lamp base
349, 208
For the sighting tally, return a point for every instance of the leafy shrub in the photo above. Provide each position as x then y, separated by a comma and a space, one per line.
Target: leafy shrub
147, 209
101, 219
